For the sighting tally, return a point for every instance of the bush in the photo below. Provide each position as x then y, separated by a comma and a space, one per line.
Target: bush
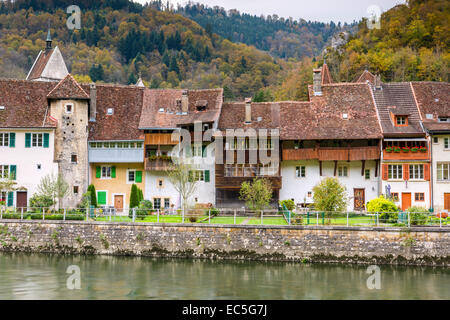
330, 196
214, 212
41, 201
387, 208
290, 204
134, 197
14, 216
78, 217
418, 215
92, 195
193, 219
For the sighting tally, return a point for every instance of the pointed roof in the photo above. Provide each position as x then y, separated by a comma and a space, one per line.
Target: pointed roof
140, 83
326, 75
365, 76
68, 88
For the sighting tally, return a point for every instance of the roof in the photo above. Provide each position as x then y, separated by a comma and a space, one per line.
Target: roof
322, 117
326, 76
25, 104
126, 102
161, 109
397, 96
68, 88
366, 76
49, 66
39, 64
433, 98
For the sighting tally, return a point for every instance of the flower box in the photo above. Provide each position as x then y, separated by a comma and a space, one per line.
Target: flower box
388, 149
406, 149
423, 149
414, 149
397, 149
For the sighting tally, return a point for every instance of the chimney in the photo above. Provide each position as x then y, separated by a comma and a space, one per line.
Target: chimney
378, 82
248, 110
93, 103
184, 102
317, 82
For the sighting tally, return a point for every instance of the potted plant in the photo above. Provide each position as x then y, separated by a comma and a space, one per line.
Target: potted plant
397, 149
423, 149
406, 149
388, 149
414, 149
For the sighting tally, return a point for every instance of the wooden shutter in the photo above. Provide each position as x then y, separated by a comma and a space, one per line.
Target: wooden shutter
426, 171
27, 140
46, 140
406, 172
385, 173
138, 176
101, 196
98, 172
12, 140
113, 172
12, 172
10, 199
207, 174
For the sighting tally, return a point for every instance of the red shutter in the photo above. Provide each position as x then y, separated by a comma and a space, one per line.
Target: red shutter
426, 171
406, 172
385, 173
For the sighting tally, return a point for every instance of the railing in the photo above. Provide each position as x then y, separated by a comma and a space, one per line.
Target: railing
405, 155
332, 154
158, 164
282, 217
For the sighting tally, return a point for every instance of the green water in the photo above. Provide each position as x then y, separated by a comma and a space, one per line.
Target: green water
34, 276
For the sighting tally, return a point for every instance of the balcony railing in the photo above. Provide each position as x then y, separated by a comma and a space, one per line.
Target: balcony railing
158, 163
400, 154
160, 139
332, 154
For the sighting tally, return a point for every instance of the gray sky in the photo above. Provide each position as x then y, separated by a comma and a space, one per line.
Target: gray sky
318, 10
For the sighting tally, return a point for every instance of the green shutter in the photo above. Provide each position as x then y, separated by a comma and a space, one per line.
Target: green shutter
204, 151
12, 140
10, 199
138, 176
98, 172
27, 140
13, 172
101, 197
113, 172
46, 140
206, 175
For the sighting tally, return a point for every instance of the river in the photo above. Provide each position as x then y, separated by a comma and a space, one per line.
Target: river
39, 276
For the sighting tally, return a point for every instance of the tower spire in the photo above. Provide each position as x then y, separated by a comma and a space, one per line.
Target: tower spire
49, 38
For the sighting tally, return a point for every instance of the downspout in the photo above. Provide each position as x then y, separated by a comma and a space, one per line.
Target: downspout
431, 173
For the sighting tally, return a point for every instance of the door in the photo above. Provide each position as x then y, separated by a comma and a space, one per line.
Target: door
22, 200
447, 201
359, 199
406, 201
118, 202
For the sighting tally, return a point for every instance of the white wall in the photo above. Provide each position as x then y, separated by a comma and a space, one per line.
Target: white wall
410, 187
298, 188
27, 159
439, 154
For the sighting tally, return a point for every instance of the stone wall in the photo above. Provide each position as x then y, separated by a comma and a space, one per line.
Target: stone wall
415, 246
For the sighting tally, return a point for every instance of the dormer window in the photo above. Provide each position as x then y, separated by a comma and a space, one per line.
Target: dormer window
161, 110
444, 119
429, 116
110, 111
345, 116
401, 121
69, 108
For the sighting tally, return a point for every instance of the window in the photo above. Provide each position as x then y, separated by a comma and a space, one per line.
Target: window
446, 143
114, 145
435, 140
197, 175
106, 172
419, 196
4, 139
131, 177
4, 172
443, 171
197, 150
416, 171
37, 140
394, 196
75, 189
309, 194
3, 196
429, 116
110, 111
395, 172
367, 174
157, 203
300, 172
444, 119
69, 108
160, 183
345, 116
343, 171
166, 203
74, 158
401, 120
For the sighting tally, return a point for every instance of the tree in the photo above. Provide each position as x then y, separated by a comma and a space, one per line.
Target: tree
180, 175
134, 196
92, 195
330, 196
54, 187
40, 201
7, 185
257, 194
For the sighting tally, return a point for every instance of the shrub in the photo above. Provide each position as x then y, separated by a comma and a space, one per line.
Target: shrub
134, 196
257, 194
290, 204
418, 215
13, 216
41, 201
387, 208
330, 195
193, 219
92, 195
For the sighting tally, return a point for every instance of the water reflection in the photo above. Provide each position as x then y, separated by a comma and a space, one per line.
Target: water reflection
33, 276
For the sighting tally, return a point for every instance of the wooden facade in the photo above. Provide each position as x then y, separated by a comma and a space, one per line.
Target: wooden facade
332, 154
406, 155
157, 164
159, 139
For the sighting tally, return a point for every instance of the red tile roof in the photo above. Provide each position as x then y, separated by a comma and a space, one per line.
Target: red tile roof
265, 115
39, 65
326, 75
68, 88
365, 76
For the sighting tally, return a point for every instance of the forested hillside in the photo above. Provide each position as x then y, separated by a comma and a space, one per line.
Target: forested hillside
285, 38
412, 44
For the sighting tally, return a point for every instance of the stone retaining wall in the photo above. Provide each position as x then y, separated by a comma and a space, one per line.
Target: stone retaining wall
415, 246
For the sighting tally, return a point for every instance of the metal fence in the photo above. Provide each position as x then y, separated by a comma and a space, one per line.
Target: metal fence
231, 216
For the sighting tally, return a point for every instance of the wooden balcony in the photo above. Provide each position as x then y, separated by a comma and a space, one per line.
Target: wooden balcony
159, 139
332, 154
406, 155
236, 182
158, 164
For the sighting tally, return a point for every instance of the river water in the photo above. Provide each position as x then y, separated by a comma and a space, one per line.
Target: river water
38, 276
